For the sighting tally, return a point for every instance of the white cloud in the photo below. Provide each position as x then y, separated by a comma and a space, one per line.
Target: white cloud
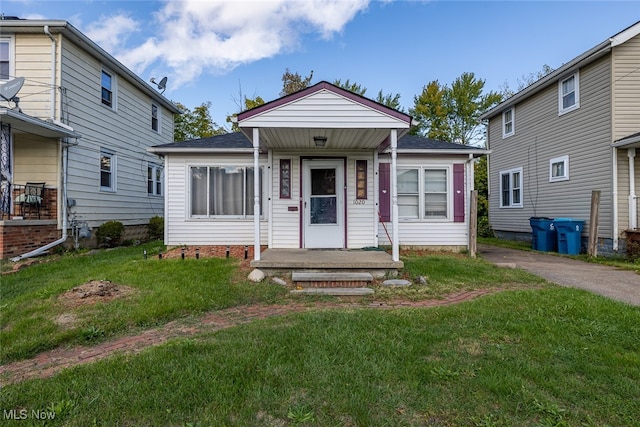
196, 36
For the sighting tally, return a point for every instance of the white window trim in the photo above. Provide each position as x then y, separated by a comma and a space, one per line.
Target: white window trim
112, 155
510, 172
159, 118
506, 134
421, 193
562, 159
12, 57
576, 105
155, 167
222, 218
114, 89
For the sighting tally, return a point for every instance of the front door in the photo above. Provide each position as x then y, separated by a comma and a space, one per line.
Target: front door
323, 204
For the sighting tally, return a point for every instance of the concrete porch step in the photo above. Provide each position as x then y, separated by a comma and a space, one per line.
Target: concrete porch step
334, 291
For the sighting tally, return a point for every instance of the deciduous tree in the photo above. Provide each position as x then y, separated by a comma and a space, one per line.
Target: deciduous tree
195, 124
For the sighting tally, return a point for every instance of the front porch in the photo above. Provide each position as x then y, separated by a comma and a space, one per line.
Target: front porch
376, 262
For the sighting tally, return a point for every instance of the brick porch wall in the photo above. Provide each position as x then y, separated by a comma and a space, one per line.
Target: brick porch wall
21, 236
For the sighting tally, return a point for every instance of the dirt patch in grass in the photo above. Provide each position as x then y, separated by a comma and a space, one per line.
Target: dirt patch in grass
94, 291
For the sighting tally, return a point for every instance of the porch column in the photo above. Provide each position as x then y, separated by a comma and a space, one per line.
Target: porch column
395, 245
256, 194
633, 200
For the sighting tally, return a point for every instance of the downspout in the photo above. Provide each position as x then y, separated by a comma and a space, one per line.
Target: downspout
53, 71
614, 196
44, 248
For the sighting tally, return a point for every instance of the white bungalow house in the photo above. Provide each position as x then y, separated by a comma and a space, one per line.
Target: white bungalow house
335, 171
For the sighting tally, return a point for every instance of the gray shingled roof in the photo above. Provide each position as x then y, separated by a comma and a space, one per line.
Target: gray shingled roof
235, 140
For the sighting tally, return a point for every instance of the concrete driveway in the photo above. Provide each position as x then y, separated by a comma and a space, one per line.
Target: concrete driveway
621, 285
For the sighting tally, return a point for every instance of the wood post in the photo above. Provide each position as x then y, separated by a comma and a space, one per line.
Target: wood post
592, 249
473, 224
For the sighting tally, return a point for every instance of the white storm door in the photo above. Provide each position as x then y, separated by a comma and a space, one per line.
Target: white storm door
323, 203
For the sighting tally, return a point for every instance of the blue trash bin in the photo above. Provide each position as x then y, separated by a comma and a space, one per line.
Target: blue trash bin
543, 234
569, 235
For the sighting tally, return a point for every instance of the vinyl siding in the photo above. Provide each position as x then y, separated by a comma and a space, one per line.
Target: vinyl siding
626, 88
324, 109
33, 62
182, 230
285, 224
430, 233
626, 119
36, 160
125, 131
540, 135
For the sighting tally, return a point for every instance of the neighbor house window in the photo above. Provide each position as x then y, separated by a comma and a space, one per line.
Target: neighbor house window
107, 170
508, 125
559, 169
423, 193
154, 179
154, 118
107, 89
361, 179
6, 56
285, 178
223, 191
511, 188
569, 94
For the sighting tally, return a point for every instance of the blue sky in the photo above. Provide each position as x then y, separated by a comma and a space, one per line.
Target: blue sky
216, 50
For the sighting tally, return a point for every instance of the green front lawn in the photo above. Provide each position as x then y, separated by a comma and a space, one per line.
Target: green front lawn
547, 357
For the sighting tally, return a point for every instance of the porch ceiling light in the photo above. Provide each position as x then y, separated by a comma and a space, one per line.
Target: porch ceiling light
320, 141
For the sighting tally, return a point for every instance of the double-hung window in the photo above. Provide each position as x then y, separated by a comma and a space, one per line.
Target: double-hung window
508, 122
569, 94
6, 58
511, 188
223, 191
423, 193
559, 169
155, 118
107, 89
107, 170
154, 179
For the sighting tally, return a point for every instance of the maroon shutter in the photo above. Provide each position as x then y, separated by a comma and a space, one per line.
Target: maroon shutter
385, 191
458, 192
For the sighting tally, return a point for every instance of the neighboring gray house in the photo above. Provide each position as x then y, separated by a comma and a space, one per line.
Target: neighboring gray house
333, 167
81, 128
571, 132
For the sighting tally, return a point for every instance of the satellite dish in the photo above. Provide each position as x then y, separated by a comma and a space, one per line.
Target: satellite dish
163, 84
10, 89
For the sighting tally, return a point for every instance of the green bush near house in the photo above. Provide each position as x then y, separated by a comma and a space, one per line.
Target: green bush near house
156, 228
110, 234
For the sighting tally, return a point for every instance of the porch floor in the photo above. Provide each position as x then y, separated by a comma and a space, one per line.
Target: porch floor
323, 259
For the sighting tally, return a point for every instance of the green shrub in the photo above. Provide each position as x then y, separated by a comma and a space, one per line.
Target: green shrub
109, 234
156, 228
484, 228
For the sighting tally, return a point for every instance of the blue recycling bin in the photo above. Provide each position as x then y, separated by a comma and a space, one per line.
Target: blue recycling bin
543, 234
569, 232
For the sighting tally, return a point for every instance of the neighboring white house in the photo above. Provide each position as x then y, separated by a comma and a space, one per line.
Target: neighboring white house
82, 127
570, 133
334, 170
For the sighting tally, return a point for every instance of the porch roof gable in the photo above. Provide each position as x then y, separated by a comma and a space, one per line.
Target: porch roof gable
23, 123
347, 120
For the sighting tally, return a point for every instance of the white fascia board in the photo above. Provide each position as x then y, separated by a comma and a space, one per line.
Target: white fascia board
192, 150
